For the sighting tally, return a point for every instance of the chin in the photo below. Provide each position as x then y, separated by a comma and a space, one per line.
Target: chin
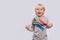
39, 15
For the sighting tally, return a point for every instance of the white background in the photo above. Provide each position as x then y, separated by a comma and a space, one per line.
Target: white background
15, 14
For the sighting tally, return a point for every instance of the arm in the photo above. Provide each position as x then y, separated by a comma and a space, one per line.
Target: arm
49, 25
30, 27
46, 23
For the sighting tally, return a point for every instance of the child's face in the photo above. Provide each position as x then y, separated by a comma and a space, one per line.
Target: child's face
39, 11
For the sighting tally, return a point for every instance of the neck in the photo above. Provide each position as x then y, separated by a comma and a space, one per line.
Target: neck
40, 16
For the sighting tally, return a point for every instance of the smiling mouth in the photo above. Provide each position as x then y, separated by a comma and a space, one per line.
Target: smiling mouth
39, 13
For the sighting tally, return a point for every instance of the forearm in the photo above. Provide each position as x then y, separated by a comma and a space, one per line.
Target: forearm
30, 29
49, 25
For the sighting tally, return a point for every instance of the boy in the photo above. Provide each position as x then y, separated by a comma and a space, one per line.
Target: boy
39, 24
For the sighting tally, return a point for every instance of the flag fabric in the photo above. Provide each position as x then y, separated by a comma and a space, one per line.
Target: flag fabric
39, 23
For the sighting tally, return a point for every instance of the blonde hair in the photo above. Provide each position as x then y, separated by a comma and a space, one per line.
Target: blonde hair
39, 4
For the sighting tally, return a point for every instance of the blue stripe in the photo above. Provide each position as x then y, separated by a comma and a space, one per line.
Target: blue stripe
40, 26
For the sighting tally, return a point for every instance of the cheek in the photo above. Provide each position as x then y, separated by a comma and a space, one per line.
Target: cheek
36, 11
42, 12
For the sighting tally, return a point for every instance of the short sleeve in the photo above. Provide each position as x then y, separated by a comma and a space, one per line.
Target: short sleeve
32, 27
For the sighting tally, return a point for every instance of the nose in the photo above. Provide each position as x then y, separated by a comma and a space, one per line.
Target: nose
39, 10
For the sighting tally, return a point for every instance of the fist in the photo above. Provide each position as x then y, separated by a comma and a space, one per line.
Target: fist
49, 25
27, 27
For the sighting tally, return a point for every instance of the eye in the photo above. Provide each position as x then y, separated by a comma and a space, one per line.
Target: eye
37, 9
41, 9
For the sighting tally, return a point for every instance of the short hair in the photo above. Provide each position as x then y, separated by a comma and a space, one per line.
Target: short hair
39, 4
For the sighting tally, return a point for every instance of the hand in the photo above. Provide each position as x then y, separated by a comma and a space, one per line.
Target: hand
27, 27
49, 25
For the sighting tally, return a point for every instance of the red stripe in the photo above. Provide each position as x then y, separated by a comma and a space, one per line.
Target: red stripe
42, 22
